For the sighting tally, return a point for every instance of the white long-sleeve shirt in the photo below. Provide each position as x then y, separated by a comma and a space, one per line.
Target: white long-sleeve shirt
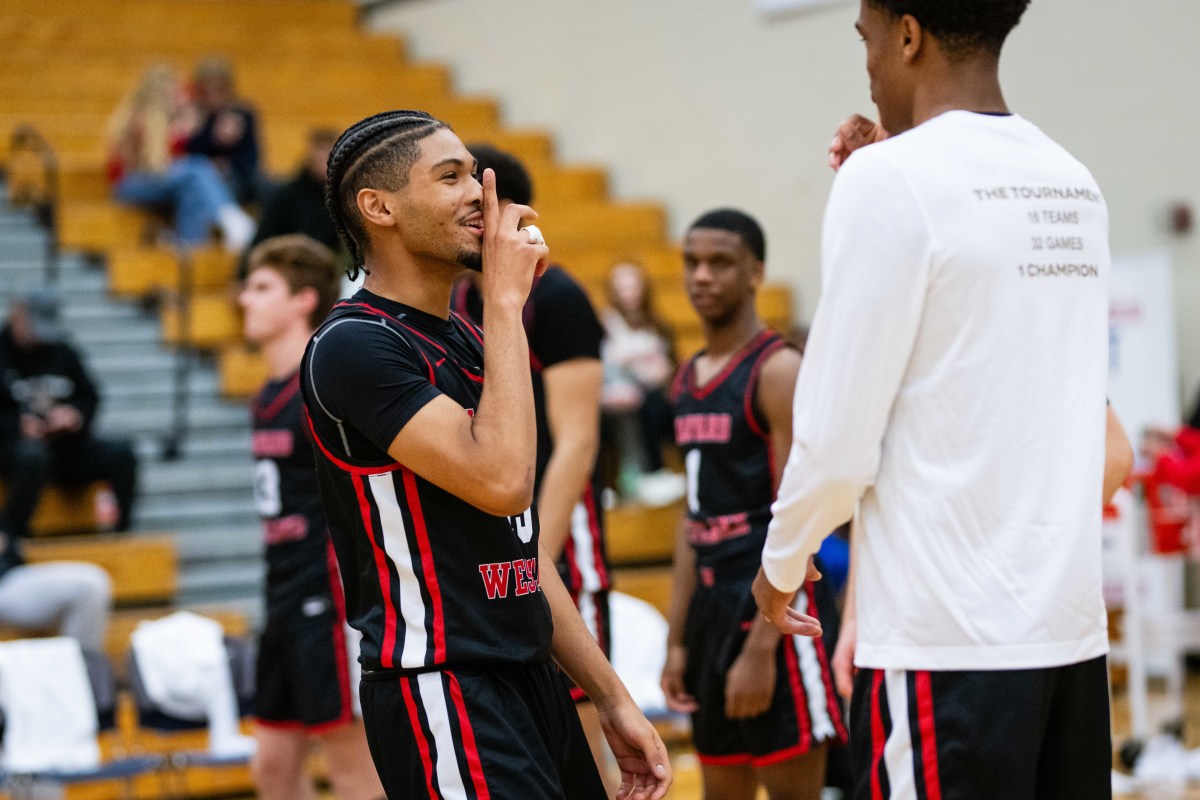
952, 394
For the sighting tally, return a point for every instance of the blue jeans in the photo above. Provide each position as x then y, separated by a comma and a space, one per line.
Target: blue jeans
191, 186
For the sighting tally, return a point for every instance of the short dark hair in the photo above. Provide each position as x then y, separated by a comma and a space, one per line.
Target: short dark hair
962, 26
739, 222
377, 152
512, 179
304, 263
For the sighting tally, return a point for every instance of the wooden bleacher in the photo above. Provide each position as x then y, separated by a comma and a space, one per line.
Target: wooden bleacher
587, 229
65, 66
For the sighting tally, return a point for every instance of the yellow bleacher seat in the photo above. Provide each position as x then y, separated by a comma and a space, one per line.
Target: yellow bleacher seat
143, 567
64, 510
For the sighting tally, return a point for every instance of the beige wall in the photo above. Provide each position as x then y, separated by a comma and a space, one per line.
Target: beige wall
698, 103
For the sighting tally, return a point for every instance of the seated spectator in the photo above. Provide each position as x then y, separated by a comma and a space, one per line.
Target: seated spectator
72, 598
47, 404
298, 206
147, 166
227, 132
637, 359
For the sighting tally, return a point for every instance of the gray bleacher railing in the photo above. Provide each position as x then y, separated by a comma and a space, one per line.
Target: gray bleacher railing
185, 358
43, 195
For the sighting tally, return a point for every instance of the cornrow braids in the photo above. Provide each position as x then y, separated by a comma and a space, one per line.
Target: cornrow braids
376, 152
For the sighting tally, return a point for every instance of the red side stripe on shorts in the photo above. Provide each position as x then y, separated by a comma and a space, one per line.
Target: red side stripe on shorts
419, 734
468, 734
878, 736
593, 513
382, 572
799, 697
339, 632
933, 785
427, 567
831, 699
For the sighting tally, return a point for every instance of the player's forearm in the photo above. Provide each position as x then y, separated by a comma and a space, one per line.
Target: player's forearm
566, 477
812, 503
503, 427
573, 647
683, 586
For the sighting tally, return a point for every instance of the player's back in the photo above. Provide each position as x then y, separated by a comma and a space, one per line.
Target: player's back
988, 491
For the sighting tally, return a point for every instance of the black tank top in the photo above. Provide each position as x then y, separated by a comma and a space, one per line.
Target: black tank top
728, 459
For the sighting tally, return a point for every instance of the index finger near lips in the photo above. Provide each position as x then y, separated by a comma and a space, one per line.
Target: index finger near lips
491, 205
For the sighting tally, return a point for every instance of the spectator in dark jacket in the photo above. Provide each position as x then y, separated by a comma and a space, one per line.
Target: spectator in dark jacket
228, 131
47, 404
298, 206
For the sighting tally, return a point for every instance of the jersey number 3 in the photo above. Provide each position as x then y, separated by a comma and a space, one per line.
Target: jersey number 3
266, 488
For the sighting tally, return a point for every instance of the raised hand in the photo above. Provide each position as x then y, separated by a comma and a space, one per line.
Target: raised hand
857, 131
510, 259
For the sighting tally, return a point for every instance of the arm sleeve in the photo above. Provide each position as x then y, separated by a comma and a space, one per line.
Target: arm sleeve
875, 258
367, 377
564, 323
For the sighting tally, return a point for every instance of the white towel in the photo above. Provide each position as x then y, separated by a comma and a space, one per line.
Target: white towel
185, 670
49, 710
639, 649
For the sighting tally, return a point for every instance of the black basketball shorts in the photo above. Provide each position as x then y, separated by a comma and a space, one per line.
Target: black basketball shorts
1025, 734
494, 733
303, 671
805, 710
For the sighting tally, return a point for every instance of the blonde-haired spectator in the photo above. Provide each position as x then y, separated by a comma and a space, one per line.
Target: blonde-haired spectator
147, 166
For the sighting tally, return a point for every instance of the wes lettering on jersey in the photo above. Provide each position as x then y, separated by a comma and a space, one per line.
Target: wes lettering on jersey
431, 581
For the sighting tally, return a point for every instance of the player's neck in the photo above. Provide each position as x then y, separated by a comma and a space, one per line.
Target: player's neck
969, 86
732, 335
284, 352
425, 287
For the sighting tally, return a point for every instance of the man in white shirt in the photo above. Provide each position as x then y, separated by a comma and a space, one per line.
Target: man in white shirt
952, 398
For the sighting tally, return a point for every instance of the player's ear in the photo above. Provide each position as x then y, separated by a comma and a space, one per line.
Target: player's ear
758, 273
308, 298
377, 207
913, 37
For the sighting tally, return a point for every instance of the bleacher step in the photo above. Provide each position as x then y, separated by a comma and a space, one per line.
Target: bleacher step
132, 421
169, 512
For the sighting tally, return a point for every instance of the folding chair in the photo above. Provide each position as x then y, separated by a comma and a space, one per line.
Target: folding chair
30, 785
153, 718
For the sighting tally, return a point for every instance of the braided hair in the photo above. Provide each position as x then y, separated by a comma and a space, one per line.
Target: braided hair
376, 152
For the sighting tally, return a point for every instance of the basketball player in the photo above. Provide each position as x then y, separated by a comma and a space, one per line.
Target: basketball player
953, 393
303, 691
564, 359
427, 459
763, 706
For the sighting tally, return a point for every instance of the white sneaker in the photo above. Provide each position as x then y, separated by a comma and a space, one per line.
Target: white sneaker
237, 228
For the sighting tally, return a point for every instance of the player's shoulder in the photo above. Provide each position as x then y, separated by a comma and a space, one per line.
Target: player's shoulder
554, 283
779, 362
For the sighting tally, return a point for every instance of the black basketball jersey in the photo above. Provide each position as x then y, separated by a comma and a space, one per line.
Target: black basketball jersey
431, 581
295, 536
560, 325
728, 458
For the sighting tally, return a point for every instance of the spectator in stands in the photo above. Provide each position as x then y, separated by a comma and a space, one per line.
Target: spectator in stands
227, 132
147, 165
637, 358
298, 206
47, 404
71, 597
